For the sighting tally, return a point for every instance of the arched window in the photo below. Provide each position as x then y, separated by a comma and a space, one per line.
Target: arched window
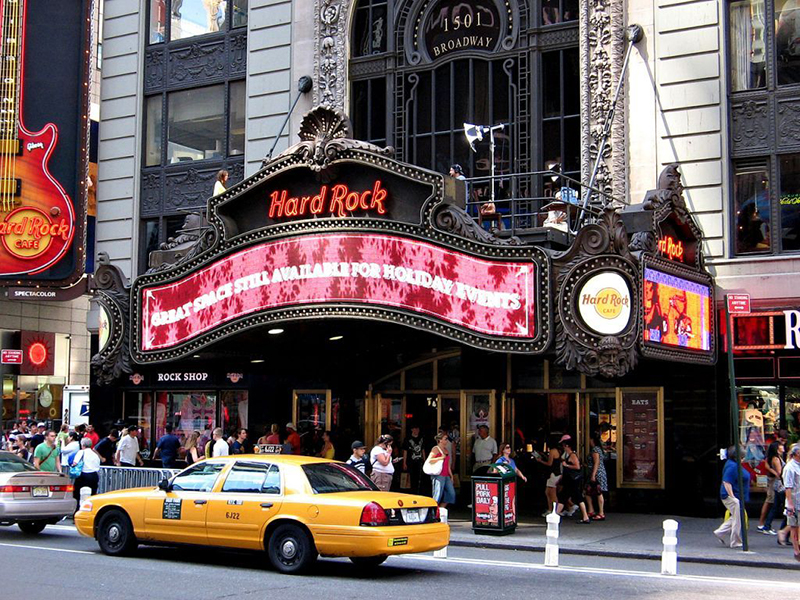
442, 63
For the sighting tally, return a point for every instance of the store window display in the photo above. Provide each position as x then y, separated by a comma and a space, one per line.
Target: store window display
759, 422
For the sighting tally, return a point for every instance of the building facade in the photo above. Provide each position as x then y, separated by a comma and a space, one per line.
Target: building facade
193, 87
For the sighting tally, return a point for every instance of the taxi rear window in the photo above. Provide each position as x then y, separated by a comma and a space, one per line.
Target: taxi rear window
328, 478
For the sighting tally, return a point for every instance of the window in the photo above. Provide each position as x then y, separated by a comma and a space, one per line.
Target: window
189, 18
186, 412
327, 478
747, 33
253, 478
196, 124
152, 131
559, 11
237, 119
752, 206
199, 478
561, 121
764, 46
371, 24
234, 410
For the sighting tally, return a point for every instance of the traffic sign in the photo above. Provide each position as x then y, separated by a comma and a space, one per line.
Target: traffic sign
11, 357
738, 304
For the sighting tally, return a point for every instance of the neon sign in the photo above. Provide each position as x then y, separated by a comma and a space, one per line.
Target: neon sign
338, 201
671, 248
485, 296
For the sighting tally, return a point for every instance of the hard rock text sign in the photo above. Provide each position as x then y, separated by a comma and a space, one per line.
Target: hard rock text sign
484, 296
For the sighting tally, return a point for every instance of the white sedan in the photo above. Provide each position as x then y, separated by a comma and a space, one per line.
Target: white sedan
31, 498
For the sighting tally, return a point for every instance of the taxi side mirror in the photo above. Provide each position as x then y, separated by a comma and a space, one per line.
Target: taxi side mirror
165, 485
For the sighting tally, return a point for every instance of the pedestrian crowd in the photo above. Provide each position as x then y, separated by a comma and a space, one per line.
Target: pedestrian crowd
782, 500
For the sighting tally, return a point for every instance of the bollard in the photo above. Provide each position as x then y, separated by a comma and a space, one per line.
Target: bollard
551, 547
443, 552
669, 557
86, 491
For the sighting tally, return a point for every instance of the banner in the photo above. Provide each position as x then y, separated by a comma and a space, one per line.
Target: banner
489, 297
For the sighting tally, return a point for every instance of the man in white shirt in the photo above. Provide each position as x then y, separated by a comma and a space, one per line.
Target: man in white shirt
484, 448
128, 449
220, 445
791, 481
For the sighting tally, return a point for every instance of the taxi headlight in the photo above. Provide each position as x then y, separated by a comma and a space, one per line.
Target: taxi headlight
86, 506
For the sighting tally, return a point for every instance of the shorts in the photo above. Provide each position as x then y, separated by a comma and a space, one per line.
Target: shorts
770, 490
552, 481
382, 480
793, 520
443, 490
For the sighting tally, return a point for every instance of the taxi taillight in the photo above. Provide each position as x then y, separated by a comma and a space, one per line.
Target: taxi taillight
373, 515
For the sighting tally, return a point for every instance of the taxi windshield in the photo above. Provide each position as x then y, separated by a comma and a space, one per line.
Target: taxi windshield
327, 478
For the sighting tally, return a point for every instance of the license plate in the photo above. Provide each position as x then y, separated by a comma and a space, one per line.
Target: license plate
40, 491
412, 516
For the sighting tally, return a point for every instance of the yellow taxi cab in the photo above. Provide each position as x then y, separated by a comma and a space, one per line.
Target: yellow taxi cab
294, 507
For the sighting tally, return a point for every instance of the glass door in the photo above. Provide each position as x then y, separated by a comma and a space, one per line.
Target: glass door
312, 416
478, 410
599, 412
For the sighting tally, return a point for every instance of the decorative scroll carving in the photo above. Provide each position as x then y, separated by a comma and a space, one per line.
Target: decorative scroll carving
113, 293
324, 134
188, 189
194, 237
237, 54
198, 62
150, 194
455, 220
330, 41
789, 122
154, 69
602, 30
599, 247
750, 121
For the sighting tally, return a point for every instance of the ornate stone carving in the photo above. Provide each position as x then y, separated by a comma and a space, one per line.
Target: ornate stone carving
750, 121
602, 32
112, 291
601, 246
150, 194
198, 62
194, 237
188, 189
154, 70
789, 123
237, 52
330, 41
455, 220
324, 134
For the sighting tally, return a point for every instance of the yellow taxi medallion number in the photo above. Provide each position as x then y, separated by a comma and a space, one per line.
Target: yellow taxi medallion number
402, 541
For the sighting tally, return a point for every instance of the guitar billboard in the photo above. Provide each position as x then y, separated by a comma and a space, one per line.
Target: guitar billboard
44, 124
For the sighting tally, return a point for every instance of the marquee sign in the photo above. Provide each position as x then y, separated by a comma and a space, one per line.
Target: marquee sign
442, 28
44, 146
336, 228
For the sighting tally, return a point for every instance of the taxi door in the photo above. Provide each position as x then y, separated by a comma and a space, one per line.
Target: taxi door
179, 516
238, 511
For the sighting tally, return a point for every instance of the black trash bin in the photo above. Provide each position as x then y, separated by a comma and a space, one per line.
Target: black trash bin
494, 501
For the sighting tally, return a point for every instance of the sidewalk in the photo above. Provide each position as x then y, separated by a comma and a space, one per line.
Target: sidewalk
631, 536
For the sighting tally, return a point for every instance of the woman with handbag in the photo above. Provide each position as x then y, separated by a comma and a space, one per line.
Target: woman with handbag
85, 468
598, 480
571, 479
438, 467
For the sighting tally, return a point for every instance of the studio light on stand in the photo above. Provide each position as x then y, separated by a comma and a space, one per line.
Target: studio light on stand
475, 133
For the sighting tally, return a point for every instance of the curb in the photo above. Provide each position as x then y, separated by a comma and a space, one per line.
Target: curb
732, 561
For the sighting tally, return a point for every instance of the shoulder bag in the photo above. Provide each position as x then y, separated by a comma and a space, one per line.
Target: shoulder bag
433, 468
76, 468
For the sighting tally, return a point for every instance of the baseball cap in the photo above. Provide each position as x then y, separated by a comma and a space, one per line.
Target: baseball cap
565, 438
41, 425
356, 445
290, 425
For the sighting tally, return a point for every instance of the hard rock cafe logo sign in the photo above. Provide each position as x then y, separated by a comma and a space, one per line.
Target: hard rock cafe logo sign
28, 232
332, 201
604, 303
671, 248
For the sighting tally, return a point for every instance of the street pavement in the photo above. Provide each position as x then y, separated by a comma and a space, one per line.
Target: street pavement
632, 535
60, 563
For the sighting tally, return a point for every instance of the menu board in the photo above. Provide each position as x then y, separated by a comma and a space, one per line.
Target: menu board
641, 440
487, 512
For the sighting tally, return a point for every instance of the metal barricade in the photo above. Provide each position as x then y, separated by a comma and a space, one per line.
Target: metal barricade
122, 478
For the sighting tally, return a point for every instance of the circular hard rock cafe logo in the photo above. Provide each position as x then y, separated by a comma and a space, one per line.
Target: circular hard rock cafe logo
27, 232
604, 303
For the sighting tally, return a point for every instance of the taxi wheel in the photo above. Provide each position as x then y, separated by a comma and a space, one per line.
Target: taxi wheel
115, 534
369, 561
290, 549
32, 527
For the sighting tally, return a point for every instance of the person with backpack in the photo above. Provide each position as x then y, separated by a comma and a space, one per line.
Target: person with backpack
358, 460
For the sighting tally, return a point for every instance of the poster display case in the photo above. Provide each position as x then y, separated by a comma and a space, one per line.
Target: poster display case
640, 447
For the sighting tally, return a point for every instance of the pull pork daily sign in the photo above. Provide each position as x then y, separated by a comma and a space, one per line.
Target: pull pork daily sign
485, 296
